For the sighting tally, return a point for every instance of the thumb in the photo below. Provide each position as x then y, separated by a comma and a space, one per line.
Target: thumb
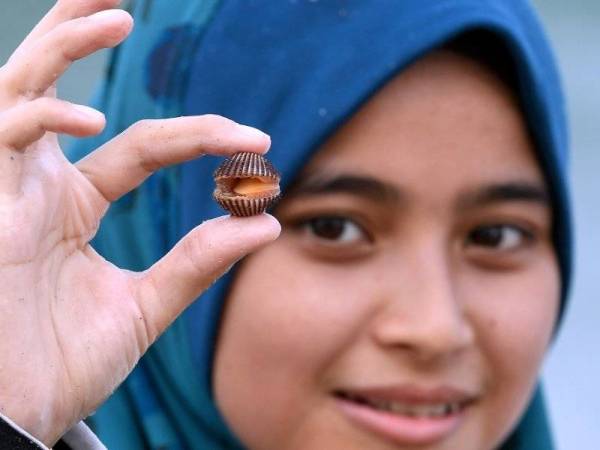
199, 259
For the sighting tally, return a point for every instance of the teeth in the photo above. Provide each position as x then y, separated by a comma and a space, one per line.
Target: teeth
404, 409
438, 410
418, 411
453, 408
398, 408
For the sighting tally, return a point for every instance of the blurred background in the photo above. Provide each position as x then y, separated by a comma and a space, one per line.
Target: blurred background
572, 371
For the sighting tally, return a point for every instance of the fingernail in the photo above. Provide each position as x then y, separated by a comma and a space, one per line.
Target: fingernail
254, 133
109, 15
89, 113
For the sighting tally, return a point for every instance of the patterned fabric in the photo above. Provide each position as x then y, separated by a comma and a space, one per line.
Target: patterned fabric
296, 69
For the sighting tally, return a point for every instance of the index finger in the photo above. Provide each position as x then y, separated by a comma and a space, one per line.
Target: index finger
63, 11
125, 162
32, 73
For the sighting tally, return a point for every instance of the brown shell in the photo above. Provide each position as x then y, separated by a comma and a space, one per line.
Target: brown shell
245, 165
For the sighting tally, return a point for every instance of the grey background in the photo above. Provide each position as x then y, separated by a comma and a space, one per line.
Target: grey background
572, 370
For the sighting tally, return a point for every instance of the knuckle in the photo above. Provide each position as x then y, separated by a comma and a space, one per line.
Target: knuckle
140, 129
68, 33
193, 247
216, 122
140, 138
78, 37
43, 105
62, 30
52, 45
11, 89
37, 112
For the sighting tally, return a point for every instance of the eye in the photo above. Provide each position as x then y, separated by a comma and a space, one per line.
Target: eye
501, 237
335, 229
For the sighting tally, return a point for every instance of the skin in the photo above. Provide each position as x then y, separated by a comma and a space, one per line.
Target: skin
412, 287
72, 325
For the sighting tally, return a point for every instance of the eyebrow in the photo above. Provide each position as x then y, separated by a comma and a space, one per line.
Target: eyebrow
382, 192
362, 186
517, 190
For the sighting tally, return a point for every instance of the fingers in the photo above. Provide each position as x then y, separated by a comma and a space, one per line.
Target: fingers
27, 122
63, 11
33, 72
201, 257
125, 162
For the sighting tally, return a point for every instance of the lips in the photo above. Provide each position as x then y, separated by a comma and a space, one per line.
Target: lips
418, 410
407, 415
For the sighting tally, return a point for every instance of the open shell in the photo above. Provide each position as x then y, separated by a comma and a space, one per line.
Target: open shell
247, 184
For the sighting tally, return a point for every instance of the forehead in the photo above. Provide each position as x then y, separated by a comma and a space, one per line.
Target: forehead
444, 122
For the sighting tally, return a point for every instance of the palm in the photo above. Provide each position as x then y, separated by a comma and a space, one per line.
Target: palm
87, 313
72, 325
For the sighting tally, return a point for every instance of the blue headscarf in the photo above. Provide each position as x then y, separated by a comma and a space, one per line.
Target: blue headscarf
297, 69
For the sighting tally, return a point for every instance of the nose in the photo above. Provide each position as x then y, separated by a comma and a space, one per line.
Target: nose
421, 311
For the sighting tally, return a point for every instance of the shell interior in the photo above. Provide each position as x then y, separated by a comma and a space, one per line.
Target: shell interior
251, 187
246, 184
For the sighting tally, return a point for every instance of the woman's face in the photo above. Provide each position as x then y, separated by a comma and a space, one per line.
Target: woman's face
413, 291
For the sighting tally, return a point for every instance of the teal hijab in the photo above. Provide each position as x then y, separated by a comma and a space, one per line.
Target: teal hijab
297, 69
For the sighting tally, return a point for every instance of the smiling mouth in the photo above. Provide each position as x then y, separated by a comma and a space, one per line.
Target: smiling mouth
419, 410
405, 415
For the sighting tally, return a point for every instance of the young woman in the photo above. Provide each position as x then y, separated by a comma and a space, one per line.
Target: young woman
424, 256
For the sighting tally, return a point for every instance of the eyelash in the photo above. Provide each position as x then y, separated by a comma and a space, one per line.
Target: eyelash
524, 236
352, 233
351, 229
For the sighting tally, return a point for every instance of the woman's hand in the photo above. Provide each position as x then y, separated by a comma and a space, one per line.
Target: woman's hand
72, 325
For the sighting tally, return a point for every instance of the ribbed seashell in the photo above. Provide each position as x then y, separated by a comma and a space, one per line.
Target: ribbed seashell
247, 184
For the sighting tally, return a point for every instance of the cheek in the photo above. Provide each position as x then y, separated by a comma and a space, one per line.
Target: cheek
301, 308
516, 323
287, 323
514, 316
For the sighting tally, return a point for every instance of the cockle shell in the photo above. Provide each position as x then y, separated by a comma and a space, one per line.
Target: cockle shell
247, 184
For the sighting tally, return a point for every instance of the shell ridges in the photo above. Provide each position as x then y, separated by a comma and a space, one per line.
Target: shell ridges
240, 166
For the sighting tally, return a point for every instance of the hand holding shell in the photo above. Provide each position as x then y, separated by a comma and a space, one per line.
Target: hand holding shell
72, 325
